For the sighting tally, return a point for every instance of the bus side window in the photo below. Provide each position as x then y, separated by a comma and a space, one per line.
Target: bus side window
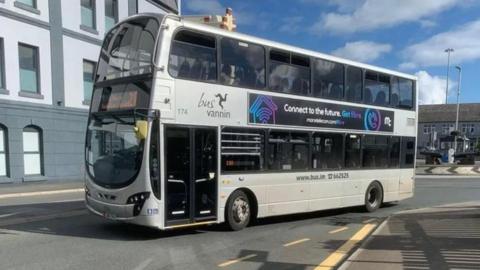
353, 84
289, 73
328, 79
394, 152
242, 150
406, 88
243, 64
193, 56
408, 152
375, 151
288, 151
377, 89
352, 151
327, 151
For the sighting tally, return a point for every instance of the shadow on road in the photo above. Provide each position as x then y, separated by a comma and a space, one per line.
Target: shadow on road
53, 218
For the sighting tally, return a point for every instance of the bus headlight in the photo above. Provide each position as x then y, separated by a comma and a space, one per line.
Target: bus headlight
138, 200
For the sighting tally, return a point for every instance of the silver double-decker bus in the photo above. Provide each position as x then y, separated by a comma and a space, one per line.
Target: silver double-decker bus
191, 124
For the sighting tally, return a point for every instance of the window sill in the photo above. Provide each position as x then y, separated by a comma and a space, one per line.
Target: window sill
34, 178
86, 102
88, 29
30, 95
5, 179
26, 7
4, 91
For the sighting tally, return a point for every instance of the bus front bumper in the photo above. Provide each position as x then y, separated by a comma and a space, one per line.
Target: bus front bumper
110, 211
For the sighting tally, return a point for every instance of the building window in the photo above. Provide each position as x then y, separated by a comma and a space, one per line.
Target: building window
2, 65
3, 151
32, 150
132, 7
88, 13
88, 77
29, 69
111, 14
30, 3
426, 129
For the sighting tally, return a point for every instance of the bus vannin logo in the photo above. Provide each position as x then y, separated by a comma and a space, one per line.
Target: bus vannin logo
263, 110
213, 104
373, 120
221, 99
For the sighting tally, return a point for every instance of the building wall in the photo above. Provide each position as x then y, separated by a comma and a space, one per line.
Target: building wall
60, 113
12, 33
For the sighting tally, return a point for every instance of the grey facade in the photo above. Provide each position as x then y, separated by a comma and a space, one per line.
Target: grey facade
57, 111
63, 136
436, 122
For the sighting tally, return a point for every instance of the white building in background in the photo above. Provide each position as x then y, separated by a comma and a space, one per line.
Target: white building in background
48, 52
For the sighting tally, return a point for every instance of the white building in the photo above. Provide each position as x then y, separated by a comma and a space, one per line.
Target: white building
48, 51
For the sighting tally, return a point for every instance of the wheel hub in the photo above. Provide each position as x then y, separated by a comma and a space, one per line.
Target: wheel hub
241, 210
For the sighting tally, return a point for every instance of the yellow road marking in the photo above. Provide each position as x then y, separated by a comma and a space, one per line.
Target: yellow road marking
230, 262
296, 242
331, 261
338, 230
39, 193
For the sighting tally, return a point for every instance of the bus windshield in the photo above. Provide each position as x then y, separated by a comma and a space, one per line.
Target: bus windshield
128, 49
114, 153
122, 89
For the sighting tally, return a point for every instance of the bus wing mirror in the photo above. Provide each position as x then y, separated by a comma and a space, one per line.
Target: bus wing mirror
141, 129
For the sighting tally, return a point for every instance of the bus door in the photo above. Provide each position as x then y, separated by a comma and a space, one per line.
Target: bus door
191, 174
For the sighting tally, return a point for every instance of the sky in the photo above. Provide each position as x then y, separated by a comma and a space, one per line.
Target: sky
405, 35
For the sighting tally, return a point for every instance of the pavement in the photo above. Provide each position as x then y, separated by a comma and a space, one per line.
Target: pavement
54, 231
442, 237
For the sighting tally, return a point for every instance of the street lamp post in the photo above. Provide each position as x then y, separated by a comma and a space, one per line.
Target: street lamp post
448, 51
458, 104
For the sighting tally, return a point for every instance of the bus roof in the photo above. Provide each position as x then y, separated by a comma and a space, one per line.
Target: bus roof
278, 45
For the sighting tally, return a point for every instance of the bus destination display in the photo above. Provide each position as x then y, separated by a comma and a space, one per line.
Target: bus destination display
272, 110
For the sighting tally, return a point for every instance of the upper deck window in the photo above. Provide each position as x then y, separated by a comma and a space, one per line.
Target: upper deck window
328, 79
193, 56
289, 73
402, 93
243, 64
353, 84
128, 49
377, 89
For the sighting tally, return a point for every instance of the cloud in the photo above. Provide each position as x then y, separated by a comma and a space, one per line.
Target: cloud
291, 24
363, 51
432, 88
465, 40
375, 14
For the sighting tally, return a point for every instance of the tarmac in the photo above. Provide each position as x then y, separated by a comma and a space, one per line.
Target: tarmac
443, 237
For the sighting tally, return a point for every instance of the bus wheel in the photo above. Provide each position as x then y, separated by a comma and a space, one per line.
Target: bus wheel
373, 197
238, 210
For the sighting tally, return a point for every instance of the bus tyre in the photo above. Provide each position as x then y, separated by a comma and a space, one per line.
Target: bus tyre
373, 197
238, 211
